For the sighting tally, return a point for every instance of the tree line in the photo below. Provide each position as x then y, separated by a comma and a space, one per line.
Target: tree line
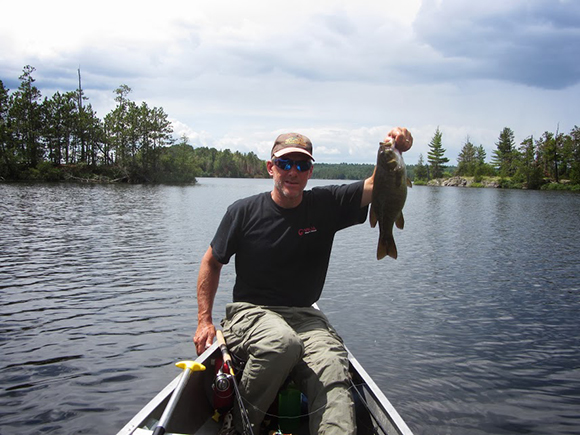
551, 158
61, 137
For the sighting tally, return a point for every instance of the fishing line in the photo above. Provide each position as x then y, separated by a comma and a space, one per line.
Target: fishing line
352, 386
366, 405
266, 413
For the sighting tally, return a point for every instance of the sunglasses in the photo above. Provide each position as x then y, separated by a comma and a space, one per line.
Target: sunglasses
286, 164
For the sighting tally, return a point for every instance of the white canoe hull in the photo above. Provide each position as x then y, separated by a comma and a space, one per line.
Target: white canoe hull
193, 412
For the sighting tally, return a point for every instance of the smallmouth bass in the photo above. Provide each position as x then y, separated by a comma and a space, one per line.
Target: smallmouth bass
389, 195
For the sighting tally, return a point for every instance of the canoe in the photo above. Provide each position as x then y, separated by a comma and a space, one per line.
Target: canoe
193, 410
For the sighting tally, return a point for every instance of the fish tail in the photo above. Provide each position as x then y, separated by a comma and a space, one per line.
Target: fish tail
386, 247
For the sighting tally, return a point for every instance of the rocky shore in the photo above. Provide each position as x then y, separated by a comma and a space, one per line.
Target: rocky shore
498, 183
463, 182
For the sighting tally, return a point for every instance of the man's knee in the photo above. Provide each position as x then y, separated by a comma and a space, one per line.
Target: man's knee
281, 344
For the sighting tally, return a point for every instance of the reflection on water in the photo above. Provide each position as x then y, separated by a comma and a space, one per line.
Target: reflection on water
473, 330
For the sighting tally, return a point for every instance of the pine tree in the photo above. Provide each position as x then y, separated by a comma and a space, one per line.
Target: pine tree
528, 168
436, 156
575, 165
421, 170
466, 161
25, 116
505, 156
480, 155
7, 151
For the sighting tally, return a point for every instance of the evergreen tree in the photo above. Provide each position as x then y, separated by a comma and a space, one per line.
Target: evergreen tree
575, 155
154, 133
7, 151
528, 169
59, 125
25, 117
90, 131
119, 128
481, 167
205, 158
436, 156
177, 163
480, 155
550, 148
466, 161
504, 156
421, 170
567, 156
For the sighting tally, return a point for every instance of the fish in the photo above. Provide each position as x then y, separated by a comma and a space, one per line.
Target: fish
389, 196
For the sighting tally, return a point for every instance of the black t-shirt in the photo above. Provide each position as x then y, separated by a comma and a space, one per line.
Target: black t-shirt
282, 255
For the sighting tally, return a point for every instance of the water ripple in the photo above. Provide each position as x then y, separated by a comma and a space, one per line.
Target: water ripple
472, 330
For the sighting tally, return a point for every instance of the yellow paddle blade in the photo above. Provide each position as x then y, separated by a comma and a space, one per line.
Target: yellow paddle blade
191, 365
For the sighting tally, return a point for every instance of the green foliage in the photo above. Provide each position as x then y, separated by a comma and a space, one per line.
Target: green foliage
561, 186
25, 122
421, 172
471, 162
8, 161
214, 163
62, 138
436, 156
466, 161
505, 155
342, 171
574, 153
48, 172
178, 164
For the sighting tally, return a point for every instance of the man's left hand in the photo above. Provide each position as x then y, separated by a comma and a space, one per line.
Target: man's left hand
402, 138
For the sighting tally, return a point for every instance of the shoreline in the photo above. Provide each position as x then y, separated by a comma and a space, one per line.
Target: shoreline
497, 183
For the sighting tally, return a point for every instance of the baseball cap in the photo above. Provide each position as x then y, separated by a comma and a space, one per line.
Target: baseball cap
292, 143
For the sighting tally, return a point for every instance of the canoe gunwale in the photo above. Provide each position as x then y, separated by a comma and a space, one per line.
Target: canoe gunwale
382, 415
379, 397
139, 419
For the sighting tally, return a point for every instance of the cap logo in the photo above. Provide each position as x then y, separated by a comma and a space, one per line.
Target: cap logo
295, 141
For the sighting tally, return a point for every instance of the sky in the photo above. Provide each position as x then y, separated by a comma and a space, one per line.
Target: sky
235, 74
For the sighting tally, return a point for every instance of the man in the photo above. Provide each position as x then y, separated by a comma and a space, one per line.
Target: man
282, 242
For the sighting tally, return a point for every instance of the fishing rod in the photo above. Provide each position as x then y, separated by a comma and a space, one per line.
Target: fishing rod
229, 371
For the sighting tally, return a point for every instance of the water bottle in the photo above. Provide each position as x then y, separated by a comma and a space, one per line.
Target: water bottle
289, 404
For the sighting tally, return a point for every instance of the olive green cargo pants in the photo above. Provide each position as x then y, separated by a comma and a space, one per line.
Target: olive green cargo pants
278, 342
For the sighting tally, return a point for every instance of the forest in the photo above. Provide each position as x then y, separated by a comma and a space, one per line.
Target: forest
551, 161
61, 138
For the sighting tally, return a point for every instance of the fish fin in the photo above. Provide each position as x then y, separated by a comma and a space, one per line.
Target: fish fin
400, 222
386, 247
393, 251
398, 179
373, 217
381, 250
409, 184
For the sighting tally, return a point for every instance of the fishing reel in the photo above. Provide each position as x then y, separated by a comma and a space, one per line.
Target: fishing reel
223, 388
222, 384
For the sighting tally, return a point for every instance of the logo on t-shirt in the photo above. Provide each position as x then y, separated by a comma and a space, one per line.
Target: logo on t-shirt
305, 231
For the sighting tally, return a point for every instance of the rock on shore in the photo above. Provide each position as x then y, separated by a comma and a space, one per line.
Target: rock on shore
461, 182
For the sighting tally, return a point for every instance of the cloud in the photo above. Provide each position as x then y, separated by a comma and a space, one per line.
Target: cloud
236, 74
531, 42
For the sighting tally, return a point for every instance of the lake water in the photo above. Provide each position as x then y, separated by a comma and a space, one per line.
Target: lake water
474, 329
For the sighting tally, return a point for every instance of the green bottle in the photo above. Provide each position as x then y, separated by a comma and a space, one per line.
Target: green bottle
289, 404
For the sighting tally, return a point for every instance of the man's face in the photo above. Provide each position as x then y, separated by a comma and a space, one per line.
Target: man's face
289, 185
